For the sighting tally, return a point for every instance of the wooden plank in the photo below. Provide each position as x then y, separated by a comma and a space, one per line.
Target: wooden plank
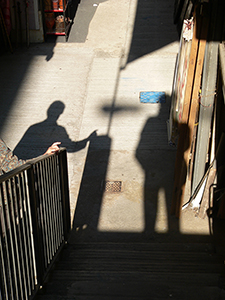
186, 128
206, 111
182, 126
194, 102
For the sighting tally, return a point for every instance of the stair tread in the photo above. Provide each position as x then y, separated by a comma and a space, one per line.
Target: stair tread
130, 290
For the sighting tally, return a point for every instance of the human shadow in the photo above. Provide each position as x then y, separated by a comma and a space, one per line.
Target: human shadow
181, 169
156, 157
40, 136
89, 202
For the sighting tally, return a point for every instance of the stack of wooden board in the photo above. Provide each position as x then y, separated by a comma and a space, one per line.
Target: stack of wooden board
185, 102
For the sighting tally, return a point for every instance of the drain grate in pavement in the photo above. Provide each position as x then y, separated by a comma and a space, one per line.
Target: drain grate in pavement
113, 186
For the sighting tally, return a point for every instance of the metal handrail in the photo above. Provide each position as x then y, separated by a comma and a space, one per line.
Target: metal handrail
34, 223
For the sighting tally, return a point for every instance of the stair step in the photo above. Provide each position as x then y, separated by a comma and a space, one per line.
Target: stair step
138, 255
132, 290
138, 258
143, 268
150, 246
100, 270
97, 271
194, 278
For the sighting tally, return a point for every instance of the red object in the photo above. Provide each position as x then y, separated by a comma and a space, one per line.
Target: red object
55, 33
55, 4
49, 20
5, 6
60, 4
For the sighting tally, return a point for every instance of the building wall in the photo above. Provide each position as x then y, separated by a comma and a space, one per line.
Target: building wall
19, 23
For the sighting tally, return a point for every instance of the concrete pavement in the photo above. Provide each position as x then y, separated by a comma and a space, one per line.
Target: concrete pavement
92, 83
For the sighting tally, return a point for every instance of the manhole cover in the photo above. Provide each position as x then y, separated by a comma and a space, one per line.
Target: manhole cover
113, 186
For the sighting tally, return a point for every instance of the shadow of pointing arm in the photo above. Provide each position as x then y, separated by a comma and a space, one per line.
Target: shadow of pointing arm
82, 144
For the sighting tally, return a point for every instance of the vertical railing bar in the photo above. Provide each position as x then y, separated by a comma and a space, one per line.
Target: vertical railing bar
49, 206
54, 203
17, 237
25, 235
47, 187
45, 201
30, 226
9, 278
62, 195
59, 202
11, 244
22, 236
7, 248
65, 193
40, 197
43, 211
38, 241
3, 269
26, 231
12, 196
3, 229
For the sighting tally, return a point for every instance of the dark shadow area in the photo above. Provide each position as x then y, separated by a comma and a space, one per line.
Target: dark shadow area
91, 190
212, 10
13, 69
40, 136
51, 40
216, 212
127, 265
70, 13
118, 109
156, 159
216, 12
180, 169
4, 45
153, 28
182, 10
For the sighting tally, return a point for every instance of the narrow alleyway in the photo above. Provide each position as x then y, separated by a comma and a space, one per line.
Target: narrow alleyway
85, 93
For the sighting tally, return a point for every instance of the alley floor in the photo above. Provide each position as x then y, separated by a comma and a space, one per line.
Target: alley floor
86, 93
90, 86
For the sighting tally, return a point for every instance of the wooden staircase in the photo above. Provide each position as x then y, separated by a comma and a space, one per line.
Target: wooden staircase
97, 271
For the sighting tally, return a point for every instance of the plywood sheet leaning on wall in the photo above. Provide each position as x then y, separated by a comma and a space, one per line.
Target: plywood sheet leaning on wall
180, 80
190, 107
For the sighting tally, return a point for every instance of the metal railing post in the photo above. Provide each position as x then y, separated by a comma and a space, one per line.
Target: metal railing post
38, 243
65, 193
